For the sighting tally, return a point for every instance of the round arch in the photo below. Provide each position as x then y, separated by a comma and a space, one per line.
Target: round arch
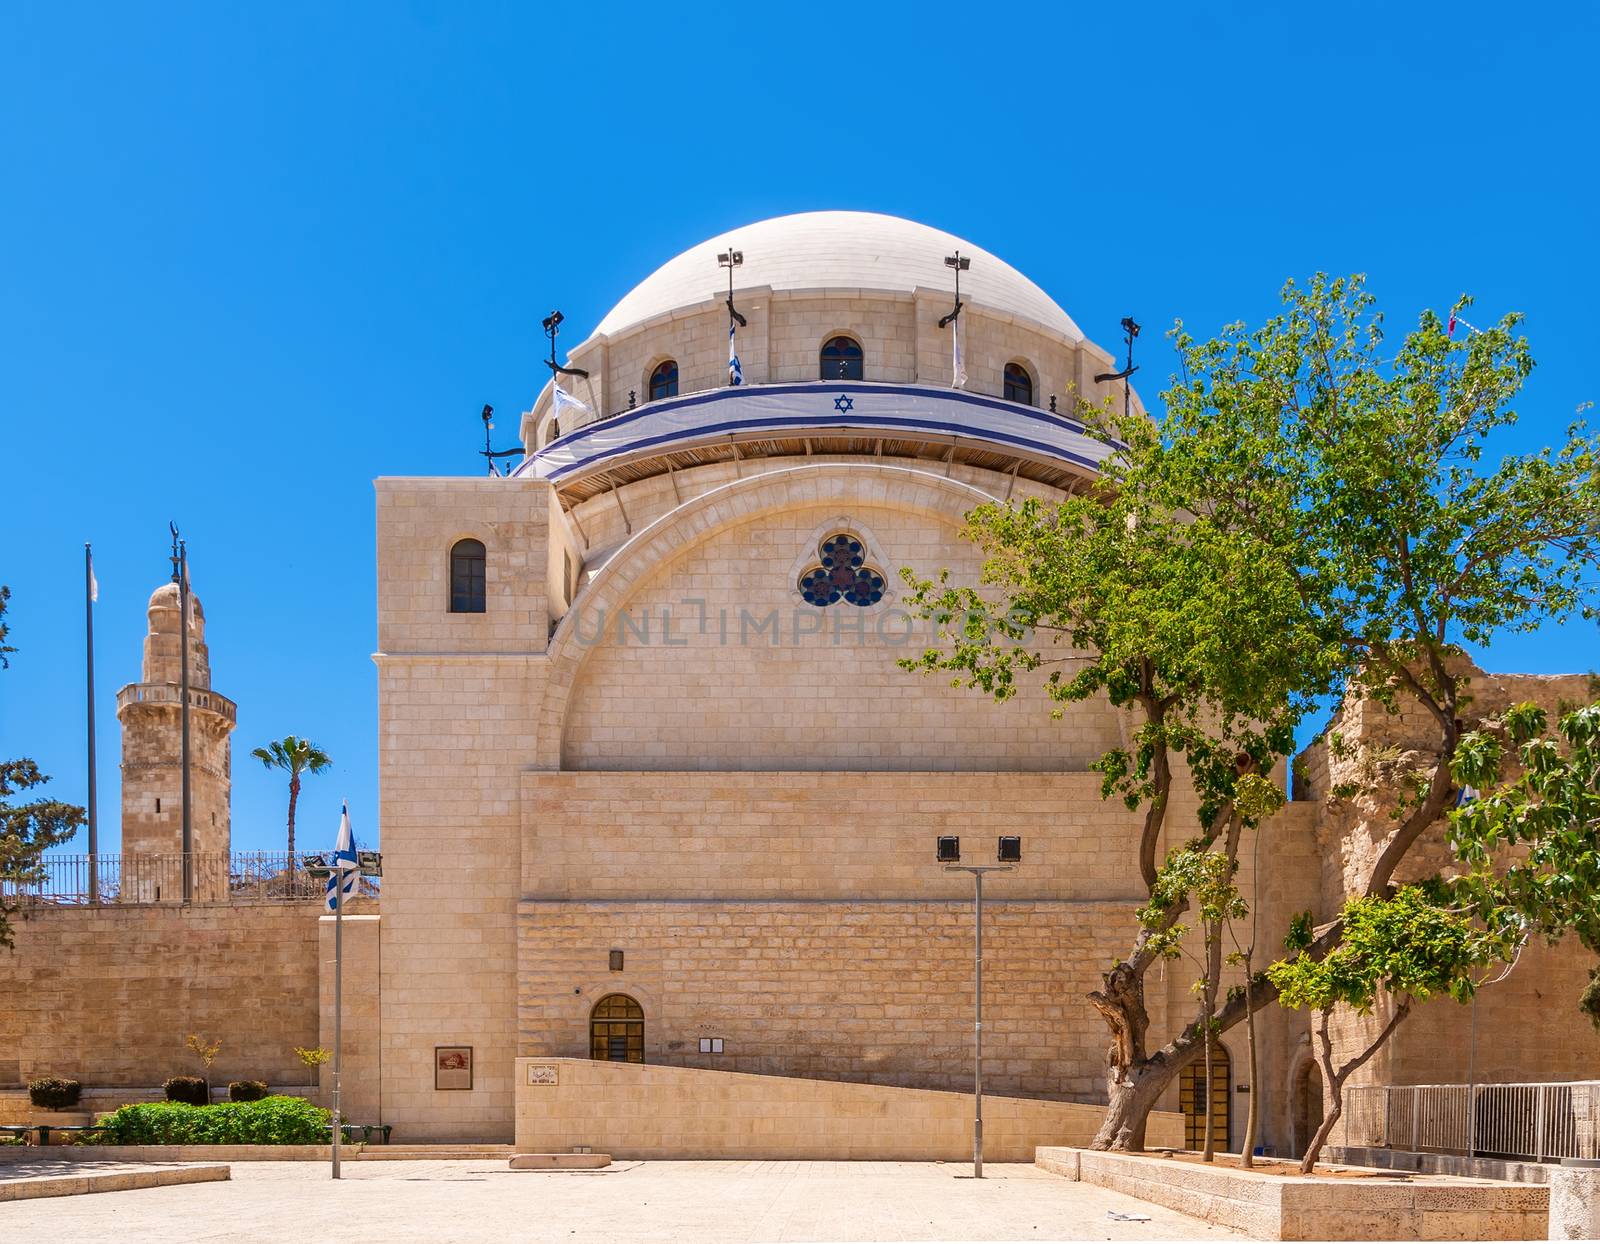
706, 516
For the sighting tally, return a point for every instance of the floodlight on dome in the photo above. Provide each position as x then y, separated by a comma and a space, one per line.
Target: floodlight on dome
731, 259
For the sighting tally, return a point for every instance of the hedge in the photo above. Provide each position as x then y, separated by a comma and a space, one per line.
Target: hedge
247, 1090
53, 1093
270, 1121
191, 1089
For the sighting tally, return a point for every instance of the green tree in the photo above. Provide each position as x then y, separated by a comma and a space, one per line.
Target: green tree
1312, 514
1411, 946
27, 830
294, 756
1532, 843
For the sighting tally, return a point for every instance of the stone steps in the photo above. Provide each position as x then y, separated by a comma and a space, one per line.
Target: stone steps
446, 1151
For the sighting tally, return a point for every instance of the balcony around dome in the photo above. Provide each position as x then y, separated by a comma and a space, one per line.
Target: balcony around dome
939, 424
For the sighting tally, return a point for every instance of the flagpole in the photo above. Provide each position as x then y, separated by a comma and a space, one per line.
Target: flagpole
338, 997
88, 624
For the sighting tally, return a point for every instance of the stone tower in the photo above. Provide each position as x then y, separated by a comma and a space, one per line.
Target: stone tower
152, 778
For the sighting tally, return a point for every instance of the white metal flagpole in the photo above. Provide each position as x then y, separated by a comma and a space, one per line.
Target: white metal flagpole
338, 1004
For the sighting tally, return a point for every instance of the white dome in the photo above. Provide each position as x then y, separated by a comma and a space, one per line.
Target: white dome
837, 250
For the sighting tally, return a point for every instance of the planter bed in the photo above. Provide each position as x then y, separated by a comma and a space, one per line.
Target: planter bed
1278, 1203
185, 1153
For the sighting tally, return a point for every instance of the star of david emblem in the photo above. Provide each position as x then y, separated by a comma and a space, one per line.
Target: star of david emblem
842, 574
844, 402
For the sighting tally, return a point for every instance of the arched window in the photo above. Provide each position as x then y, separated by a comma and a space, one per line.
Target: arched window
1192, 1100
664, 380
1019, 385
841, 359
467, 588
554, 433
616, 1030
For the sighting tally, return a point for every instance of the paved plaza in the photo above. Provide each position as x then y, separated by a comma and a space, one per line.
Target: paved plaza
691, 1202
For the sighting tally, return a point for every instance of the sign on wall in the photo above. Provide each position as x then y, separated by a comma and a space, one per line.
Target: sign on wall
452, 1067
543, 1073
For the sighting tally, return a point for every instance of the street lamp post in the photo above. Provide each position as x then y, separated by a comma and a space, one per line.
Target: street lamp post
1009, 855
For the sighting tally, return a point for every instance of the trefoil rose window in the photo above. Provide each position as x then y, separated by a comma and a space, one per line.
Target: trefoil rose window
842, 573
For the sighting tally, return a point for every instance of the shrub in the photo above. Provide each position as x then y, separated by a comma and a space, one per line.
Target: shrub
247, 1090
191, 1090
270, 1121
52, 1093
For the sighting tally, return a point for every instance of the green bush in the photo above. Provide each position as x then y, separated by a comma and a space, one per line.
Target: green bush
247, 1090
192, 1090
52, 1093
270, 1121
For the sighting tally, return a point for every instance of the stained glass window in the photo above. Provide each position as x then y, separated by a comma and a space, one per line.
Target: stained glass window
842, 573
664, 380
1019, 385
842, 359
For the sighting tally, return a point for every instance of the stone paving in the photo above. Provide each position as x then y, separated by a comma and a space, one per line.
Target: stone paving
657, 1202
27, 1174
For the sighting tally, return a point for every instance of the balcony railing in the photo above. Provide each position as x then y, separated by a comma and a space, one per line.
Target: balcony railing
1537, 1122
215, 877
171, 693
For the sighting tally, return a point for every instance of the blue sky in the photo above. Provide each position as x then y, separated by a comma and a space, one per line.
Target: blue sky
255, 256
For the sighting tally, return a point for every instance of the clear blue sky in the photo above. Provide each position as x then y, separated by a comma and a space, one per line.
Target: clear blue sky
256, 255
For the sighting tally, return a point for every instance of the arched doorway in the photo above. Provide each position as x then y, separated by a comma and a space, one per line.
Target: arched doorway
1192, 1099
1305, 1099
616, 1030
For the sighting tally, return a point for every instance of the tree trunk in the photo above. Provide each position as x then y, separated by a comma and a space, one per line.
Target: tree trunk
1335, 1078
1247, 1155
294, 796
1127, 1111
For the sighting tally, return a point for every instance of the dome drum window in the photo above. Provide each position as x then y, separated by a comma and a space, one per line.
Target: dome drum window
467, 577
842, 573
1018, 384
842, 359
664, 380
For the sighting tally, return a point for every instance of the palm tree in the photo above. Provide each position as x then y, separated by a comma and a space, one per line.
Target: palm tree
294, 756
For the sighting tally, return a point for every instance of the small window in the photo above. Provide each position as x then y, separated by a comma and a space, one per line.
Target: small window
616, 1030
569, 577
1019, 385
842, 359
664, 381
467, 577
555, 431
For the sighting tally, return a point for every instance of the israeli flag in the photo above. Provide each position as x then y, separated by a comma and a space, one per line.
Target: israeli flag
346, 875
958, 379
735, 372
561, 401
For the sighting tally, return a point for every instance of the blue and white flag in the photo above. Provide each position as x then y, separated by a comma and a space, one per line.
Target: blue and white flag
561, 402
735, 372
346, 875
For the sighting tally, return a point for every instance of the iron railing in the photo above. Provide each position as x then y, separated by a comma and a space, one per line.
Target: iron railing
215, 877
1536, 1122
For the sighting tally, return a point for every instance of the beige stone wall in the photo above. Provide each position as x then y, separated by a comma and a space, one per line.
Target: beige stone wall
106, 995
749, 676
871, 991
667, 1112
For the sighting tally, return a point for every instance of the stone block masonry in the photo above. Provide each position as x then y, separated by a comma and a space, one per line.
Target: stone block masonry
631, 1111
106, 995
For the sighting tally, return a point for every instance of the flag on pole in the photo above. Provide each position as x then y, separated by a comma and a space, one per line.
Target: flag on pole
562, 401
346, 875
959, 379
735, 372
94, 583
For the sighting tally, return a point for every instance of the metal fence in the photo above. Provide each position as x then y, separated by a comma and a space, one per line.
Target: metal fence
214, 877
1538, 1122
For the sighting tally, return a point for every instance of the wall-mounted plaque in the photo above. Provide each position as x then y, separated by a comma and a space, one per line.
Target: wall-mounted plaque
543, 1073
452, 1066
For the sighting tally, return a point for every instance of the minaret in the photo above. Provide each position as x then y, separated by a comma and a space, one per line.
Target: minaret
152, 779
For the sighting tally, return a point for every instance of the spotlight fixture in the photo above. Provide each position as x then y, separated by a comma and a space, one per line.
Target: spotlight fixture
731, 259
960, 263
